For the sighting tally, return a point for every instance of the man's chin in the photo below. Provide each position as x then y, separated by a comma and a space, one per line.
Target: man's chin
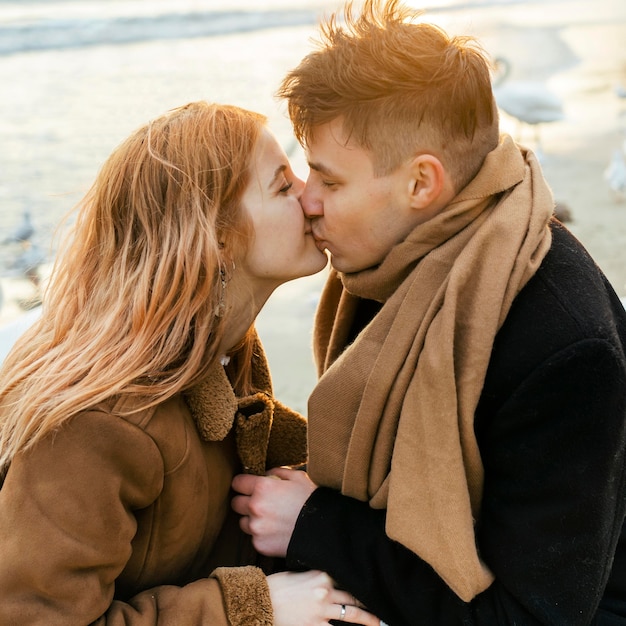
341, 266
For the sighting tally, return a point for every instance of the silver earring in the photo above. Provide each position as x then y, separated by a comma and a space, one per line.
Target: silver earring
221, 306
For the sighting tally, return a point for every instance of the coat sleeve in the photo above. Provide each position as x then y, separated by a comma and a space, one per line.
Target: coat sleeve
231, 596
66, 525
552, 510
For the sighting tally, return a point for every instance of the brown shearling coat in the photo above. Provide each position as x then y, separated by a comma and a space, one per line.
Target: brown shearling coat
126, 519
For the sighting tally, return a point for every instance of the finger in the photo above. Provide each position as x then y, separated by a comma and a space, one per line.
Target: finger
338, 596
283, 473
358, 603
244, 524
343, 610
241, 505
352, 614
244, 483
360, 616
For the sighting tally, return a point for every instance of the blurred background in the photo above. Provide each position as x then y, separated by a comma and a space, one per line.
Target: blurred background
77, 76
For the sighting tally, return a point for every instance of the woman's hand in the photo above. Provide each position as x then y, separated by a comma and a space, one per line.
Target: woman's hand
310, 599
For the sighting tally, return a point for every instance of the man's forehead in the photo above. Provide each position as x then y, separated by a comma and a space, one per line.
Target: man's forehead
330, 151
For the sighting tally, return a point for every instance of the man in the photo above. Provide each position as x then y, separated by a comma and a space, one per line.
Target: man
467, 434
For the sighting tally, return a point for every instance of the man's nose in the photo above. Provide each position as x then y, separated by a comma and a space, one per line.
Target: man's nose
311, 205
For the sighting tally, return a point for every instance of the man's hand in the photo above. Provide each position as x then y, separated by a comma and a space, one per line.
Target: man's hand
270, 506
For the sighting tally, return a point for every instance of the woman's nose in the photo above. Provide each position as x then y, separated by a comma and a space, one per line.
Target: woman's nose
298, 186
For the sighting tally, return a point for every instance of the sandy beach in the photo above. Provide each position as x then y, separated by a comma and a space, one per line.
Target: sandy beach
64, 109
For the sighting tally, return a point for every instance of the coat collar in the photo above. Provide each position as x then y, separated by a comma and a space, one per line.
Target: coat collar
213, 404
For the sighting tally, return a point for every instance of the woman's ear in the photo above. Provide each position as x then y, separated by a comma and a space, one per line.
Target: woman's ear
428, 181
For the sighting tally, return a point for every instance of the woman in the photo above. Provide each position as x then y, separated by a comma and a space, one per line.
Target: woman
126, 410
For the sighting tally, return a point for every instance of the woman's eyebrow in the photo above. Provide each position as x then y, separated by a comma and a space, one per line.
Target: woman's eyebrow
277, 172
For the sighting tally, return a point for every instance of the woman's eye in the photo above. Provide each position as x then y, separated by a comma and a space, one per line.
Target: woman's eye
286, 188
328, 183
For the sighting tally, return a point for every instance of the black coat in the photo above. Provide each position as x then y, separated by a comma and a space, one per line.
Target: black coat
551, 427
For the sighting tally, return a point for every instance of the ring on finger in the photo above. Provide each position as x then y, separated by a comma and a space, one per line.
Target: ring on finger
342, 615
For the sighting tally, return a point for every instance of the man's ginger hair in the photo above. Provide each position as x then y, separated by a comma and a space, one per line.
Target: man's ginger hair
401, 88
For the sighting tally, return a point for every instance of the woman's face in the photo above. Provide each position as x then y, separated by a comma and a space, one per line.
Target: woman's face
283, 247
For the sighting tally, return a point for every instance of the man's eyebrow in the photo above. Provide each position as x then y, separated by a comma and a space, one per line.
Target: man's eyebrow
277, 172
321, 168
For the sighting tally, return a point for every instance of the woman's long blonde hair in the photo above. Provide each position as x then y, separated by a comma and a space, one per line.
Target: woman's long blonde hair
131, 305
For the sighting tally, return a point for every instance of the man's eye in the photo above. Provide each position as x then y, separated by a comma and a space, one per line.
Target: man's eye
286, 188
328, 183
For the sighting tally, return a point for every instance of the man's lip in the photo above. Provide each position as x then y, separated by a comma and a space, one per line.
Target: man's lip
320, 243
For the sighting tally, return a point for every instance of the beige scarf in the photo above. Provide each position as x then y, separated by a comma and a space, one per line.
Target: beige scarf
391, 419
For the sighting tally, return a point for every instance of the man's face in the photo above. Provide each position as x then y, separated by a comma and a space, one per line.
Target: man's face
357, 217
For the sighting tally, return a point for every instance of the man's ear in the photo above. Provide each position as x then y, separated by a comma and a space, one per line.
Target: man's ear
427, 181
